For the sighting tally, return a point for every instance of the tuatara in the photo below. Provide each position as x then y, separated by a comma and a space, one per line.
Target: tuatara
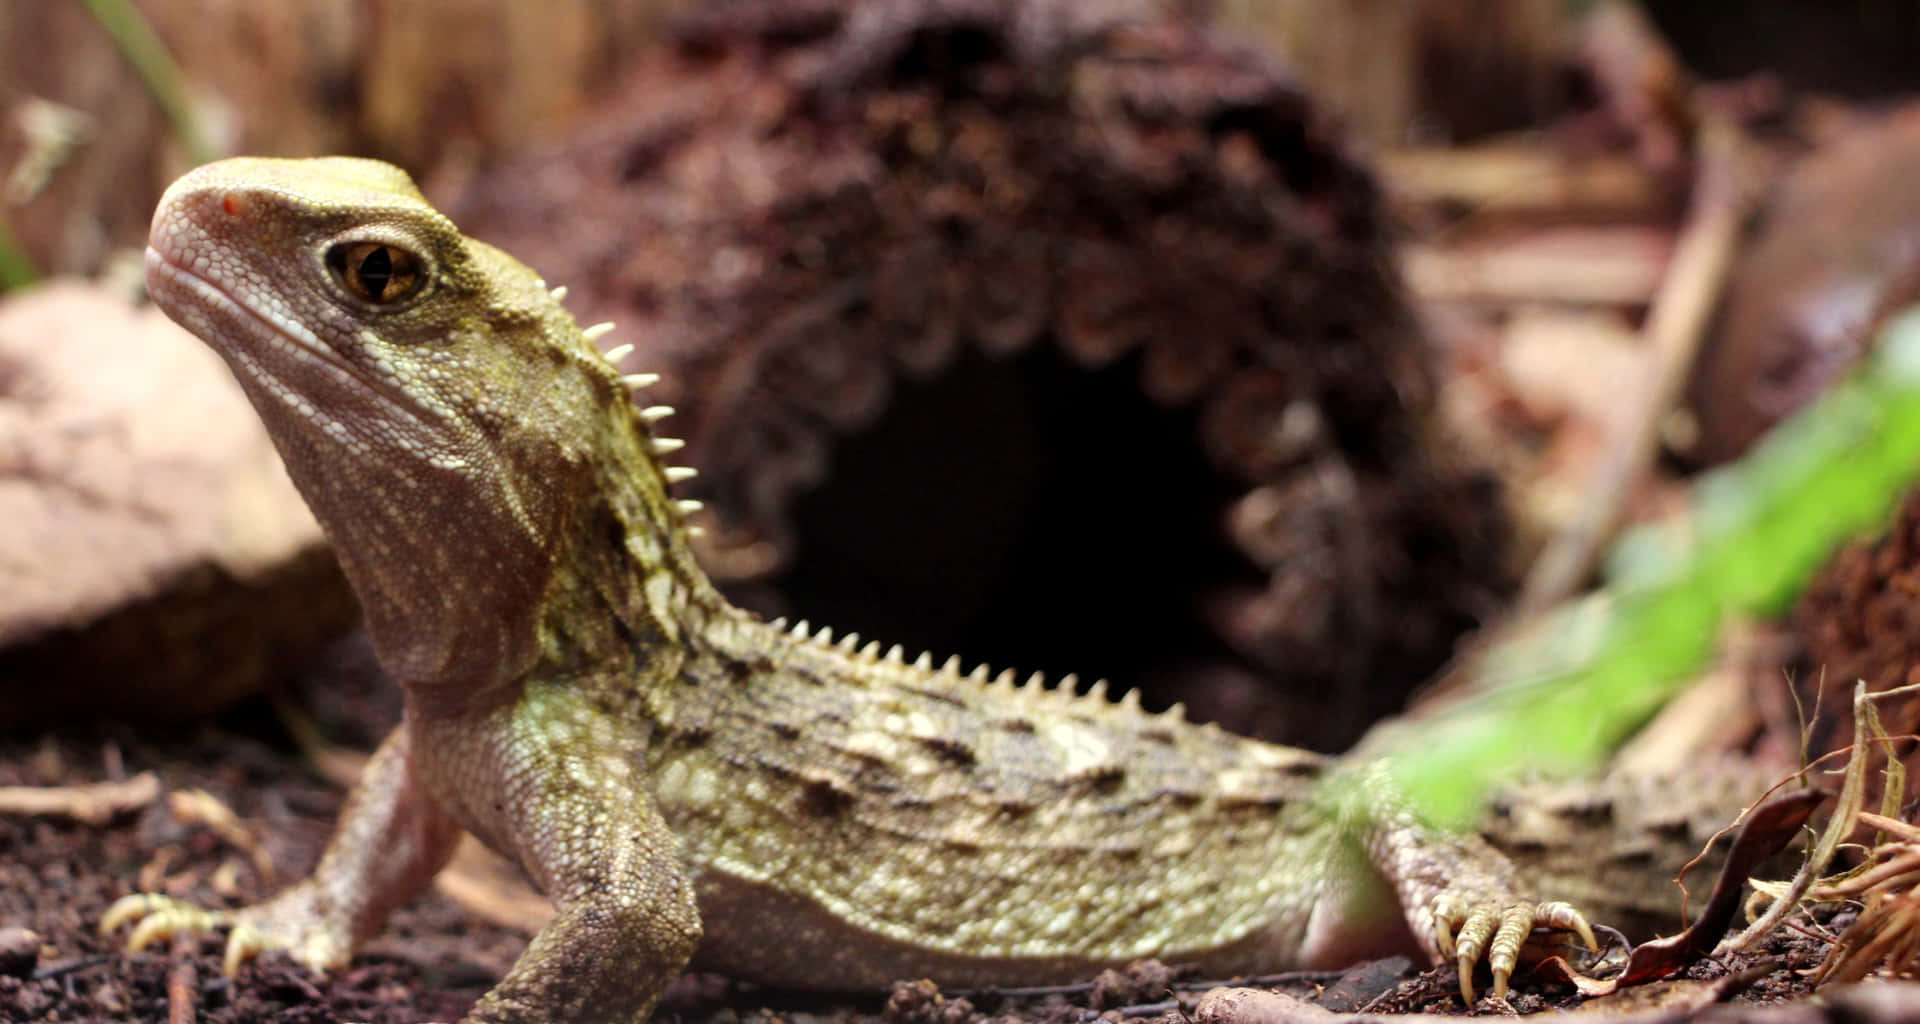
687, 782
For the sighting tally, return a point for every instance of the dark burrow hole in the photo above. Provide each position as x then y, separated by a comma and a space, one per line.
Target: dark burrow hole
1027, 513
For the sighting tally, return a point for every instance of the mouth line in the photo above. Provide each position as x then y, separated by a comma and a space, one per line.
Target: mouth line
214, 295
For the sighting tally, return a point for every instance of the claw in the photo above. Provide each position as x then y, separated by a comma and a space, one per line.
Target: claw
1467, 945
1473, 936
158, 917
158, 927
1468, 932
244, 944
1565, 917
1443, 933
130, 908
1503, 953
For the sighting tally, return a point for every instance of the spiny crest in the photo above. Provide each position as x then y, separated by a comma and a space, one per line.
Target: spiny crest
594, 332
650, 415
1063, 693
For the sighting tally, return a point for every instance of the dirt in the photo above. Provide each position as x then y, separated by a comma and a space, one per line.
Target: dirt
434, 958
57, 877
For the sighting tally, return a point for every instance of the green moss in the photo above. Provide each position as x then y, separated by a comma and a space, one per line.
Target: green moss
1564, 692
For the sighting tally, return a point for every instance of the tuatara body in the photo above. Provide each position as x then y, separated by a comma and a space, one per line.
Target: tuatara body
687, 782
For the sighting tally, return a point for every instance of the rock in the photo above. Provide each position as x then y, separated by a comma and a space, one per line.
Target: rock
155, 561
19, 951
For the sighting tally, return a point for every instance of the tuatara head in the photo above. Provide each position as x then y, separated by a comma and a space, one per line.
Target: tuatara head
467, 450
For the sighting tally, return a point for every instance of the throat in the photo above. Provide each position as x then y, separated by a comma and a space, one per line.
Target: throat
627, 596
559, 557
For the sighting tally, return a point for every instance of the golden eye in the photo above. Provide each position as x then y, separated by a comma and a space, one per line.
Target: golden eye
375, 272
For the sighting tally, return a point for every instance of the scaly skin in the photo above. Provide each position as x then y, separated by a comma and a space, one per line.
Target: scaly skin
690, 784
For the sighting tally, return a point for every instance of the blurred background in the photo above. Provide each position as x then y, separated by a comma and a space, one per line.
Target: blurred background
1269, 356
1251, 352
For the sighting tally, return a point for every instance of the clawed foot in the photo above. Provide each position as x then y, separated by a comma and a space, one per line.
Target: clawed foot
287, 923
1464, 931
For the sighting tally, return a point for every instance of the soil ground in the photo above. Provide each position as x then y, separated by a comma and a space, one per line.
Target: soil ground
57, 876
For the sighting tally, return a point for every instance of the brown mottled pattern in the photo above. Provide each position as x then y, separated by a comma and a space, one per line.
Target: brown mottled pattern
683, 780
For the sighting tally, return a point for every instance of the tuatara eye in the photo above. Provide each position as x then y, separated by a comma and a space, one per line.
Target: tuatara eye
375, 272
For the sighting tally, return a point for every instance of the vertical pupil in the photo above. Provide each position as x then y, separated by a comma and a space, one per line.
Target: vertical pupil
376, 271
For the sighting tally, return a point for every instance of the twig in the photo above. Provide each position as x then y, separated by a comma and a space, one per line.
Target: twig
149, 56
16, 269
67, 967
1506, 178
1674, 328
92, 804
199, 807
1846, 812
182, 981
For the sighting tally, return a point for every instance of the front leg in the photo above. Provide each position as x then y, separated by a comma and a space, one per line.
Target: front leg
625, 922
393, 837
549, 783
1461, 897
